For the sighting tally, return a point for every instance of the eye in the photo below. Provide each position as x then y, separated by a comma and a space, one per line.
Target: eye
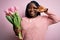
29, 9
35, 8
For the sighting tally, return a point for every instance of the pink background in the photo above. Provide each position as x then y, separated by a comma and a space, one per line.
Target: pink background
6, 29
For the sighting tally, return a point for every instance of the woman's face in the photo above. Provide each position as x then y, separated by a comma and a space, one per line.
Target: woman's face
32, 10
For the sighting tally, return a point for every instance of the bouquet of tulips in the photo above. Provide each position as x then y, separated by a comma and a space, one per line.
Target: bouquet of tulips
13, 17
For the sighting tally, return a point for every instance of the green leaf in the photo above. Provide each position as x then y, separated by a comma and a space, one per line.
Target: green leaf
17, 19
9, 19
15, 22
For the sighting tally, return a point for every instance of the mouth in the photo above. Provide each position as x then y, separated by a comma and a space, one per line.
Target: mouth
32, 13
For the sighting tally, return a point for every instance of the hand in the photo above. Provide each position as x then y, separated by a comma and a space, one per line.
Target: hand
42, 9
46, 10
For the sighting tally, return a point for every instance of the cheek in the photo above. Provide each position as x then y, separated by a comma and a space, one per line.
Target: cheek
29, 11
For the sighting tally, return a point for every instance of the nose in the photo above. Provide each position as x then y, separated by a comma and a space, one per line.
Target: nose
32, 10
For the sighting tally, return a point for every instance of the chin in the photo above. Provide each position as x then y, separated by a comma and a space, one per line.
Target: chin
33, 16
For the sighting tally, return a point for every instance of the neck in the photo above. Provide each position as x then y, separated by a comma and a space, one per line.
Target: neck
32, 17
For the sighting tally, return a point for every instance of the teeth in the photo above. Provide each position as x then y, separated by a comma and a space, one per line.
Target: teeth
32, 12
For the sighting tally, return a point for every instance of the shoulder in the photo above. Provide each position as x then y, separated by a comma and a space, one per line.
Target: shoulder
23, 18
44, 17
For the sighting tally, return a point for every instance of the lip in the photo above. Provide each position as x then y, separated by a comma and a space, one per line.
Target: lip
32, 13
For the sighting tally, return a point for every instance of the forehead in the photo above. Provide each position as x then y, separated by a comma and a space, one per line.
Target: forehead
32, 5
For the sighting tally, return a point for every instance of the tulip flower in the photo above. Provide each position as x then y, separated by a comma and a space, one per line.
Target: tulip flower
13, 17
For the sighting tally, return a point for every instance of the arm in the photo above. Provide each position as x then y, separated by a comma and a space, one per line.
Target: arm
52, 18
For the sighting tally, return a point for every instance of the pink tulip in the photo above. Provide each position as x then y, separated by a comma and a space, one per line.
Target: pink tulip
11, 11
7, 13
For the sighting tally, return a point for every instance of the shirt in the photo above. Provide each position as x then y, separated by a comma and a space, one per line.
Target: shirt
35, 28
